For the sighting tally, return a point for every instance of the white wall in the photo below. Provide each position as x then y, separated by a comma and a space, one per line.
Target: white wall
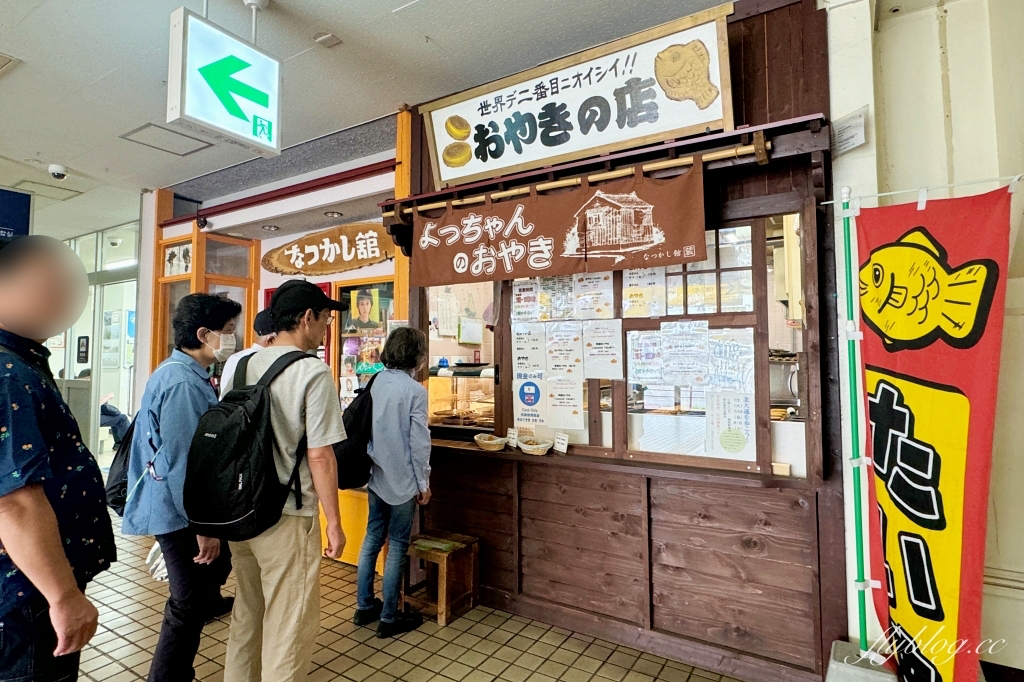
147, 278
945, 90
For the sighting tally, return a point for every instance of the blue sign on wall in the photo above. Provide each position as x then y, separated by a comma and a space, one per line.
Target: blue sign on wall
15, 212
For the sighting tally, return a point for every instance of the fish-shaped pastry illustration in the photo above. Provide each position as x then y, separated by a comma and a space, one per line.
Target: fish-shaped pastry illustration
911, 297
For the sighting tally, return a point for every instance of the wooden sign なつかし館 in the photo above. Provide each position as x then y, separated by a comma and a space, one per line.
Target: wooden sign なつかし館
338, 249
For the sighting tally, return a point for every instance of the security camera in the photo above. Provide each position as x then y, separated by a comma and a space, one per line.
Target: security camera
115, 242
58, 172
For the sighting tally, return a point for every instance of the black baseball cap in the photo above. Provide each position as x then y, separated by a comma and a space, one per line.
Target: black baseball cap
297, 296
263, 325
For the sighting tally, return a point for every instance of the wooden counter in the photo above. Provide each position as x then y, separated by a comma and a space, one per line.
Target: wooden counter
716, 569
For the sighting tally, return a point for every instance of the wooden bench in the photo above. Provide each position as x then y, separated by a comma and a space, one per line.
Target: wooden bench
452, 563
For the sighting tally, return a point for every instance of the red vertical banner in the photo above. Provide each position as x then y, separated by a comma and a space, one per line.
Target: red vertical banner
932, 287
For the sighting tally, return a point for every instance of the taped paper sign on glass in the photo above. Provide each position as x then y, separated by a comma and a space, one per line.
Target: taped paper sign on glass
665, 83
932, 296
636, 222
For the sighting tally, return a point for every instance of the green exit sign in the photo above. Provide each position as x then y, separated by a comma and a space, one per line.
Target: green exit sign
222, 85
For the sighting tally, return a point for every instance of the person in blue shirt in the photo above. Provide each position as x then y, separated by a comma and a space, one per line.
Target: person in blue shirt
399, 478
176, 396
55, 532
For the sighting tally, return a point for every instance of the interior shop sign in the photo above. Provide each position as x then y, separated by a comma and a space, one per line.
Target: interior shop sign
222, 85
336, 250
631, 223
664, 83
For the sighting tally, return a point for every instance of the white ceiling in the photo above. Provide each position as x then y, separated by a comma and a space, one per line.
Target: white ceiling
94, 70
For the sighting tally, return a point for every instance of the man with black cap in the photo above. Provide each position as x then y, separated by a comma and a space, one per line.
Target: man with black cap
263, 325
276, 617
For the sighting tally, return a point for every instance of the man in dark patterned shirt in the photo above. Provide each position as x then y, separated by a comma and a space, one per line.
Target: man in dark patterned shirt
55, 534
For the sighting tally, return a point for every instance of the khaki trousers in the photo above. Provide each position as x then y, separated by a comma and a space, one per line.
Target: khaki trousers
276, 618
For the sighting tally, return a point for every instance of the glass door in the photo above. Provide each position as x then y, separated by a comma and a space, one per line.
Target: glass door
115, 367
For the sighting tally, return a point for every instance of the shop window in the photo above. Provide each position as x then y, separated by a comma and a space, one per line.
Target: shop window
462, 355
364, 327
227, 259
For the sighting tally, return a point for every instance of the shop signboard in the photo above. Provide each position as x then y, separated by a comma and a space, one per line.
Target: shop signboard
631, 223
932, 297
338, 249
15, 212
664, 83
222, 85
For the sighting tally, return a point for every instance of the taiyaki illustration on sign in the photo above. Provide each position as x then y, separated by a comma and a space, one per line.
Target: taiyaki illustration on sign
911, 297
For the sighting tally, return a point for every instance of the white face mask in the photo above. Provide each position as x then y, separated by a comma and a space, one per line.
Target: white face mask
227, 347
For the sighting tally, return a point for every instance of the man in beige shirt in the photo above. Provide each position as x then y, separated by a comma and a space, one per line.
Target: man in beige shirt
276, 617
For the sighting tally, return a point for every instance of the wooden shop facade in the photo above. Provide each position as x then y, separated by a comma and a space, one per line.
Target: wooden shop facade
549, 222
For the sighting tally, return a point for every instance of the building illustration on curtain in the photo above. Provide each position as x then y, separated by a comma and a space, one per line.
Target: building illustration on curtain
613, 224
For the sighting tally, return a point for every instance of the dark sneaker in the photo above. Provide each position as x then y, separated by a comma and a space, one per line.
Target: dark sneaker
222, 607
367, 616
404, 622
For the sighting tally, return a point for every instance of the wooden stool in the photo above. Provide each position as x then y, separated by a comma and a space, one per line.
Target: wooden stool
452, 566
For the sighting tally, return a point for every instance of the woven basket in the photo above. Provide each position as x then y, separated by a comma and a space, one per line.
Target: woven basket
489, 443
540, 448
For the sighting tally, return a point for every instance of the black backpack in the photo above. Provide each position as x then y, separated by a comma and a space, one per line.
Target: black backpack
232, 490
117, 477
353, 461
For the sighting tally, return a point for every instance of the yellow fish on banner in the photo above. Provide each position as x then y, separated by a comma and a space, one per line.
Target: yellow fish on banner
911, 297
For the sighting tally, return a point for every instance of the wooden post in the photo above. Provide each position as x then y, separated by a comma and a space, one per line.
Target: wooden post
403, 188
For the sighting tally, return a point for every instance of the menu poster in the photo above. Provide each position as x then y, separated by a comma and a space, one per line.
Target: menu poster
684, 347
645, 361
528, 349
530, 404
556, 300
565, 403
525, 299
595, 296
643, 292
731, 355
602, 349
447, 313
565, 349
730, 426
675, 294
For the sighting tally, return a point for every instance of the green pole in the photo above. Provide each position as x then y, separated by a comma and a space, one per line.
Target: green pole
854, 375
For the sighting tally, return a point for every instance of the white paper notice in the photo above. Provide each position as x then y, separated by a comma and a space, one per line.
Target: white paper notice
565, 403
595, 296
643, 292
730, 426
561, 443
565, 350
525, 299
512, 437
447, 314
530, 404
645, 363
731, 355
556, 300
848, 132
528, 347
602, 349
684, 348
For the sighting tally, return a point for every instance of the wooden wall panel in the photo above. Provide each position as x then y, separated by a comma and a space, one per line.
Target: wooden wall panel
583, 541
735, 568
475, 496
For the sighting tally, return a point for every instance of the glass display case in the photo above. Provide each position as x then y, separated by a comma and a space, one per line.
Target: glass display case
462, 398
363, 331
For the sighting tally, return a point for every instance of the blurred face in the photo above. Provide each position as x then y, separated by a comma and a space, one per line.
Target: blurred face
365, 305
43, 287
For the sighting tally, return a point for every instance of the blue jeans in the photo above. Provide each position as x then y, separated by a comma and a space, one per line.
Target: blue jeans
27, 641
392, 523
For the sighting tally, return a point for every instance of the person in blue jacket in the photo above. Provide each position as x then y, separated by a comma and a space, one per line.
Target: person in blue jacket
177, 395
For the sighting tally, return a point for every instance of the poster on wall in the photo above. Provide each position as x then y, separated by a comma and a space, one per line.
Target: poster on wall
529, 350
634, 222
564, 349
111, 347
595, 296
643, 292
602, 349
565, 403
529, 399
555, 299
665, 83
731, 360
338, 249
645, 362
932, 298
684, 346
525, 299
730, 426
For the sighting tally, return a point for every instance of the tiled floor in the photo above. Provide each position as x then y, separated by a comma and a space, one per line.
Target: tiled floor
482, 646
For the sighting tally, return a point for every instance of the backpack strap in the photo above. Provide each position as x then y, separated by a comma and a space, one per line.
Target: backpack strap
239, 380
279, 365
